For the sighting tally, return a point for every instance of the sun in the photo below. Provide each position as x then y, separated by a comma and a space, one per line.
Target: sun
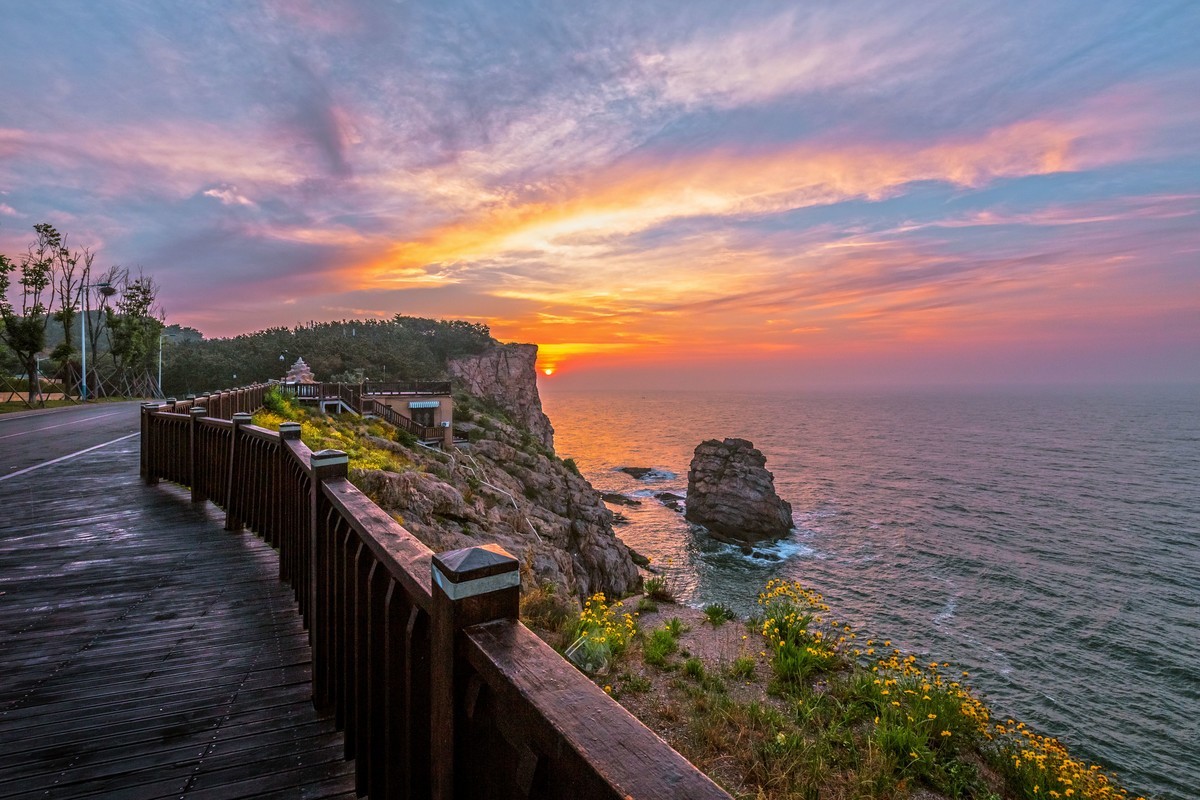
548, 370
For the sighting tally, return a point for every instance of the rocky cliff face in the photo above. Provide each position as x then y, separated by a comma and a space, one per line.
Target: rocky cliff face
732, 494
507, 486
516, 494
505, 375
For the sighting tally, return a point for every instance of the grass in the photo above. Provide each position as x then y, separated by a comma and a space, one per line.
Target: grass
340, 432
13, 406
811, 711
742, 667
718, 614
647, 606
543, 608
656, 588
659, 646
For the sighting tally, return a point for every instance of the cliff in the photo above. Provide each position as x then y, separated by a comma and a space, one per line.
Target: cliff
505, 376
507, 486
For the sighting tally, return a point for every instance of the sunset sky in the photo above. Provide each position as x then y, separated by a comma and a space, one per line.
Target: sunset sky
659, 194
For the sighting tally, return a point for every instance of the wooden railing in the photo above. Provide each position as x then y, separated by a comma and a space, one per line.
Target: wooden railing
406, 387
420, 658
350, 392
392, 417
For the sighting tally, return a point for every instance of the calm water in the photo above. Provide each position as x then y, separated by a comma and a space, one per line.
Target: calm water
1047, 542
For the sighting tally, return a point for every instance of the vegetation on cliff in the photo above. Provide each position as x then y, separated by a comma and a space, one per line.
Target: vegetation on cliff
505, 488
794, 704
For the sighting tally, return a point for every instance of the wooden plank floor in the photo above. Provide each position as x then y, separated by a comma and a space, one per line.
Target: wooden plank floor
144, 651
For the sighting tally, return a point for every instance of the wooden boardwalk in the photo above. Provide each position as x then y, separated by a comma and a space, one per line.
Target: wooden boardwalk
144, 651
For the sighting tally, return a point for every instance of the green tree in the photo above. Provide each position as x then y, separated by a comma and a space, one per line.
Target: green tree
26, 307
134, 327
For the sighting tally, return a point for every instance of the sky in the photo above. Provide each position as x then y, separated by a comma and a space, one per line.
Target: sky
692, 195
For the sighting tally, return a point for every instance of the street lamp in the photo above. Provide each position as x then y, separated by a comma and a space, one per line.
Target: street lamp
37, 372
107, 290
161, 334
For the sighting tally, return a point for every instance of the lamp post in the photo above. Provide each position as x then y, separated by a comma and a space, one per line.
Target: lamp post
161, 334
107, 290
37, 373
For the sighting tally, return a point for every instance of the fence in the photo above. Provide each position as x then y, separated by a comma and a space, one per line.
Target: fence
438, 688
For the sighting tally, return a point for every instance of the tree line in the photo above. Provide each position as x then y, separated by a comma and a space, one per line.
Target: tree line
58, 308
351, 351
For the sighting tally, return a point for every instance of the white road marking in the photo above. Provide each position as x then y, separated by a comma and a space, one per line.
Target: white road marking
64, 458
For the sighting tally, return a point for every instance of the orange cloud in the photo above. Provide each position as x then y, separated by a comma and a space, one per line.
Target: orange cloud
583, 218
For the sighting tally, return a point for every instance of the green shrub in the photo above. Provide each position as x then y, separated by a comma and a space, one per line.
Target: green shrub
694, 669
675, 627
571, 466
634, 684
660, 645
279, 403
600, 635
718, 613
742, 667
647, 606
657, 589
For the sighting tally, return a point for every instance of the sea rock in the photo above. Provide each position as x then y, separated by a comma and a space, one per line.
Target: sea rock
637, 472
732, 494
671, 501
505, 375
619, 499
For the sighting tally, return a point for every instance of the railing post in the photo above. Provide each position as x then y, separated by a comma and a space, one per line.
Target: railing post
148, 444
470, 586
326, 465
233, 515
199, 495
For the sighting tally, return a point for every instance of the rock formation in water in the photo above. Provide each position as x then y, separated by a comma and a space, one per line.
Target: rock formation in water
505, 376
732, 494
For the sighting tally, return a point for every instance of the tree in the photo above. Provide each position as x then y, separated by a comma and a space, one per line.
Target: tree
70, 294
52, 282
134, 328
38, 273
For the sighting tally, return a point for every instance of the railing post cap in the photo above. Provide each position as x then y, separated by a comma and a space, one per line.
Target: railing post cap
472, 563
329, 458
242, 418
171, 400
198, 411
289, 430
189, 397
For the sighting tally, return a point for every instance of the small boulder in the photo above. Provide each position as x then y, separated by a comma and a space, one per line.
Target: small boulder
618, 499
671, 501
637, 472
732, 494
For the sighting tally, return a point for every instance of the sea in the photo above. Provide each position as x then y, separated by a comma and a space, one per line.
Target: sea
1047, 541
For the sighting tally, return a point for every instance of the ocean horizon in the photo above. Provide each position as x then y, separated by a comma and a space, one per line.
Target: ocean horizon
1042, 539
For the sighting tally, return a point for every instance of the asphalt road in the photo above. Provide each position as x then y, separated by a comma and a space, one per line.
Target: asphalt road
30, 440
